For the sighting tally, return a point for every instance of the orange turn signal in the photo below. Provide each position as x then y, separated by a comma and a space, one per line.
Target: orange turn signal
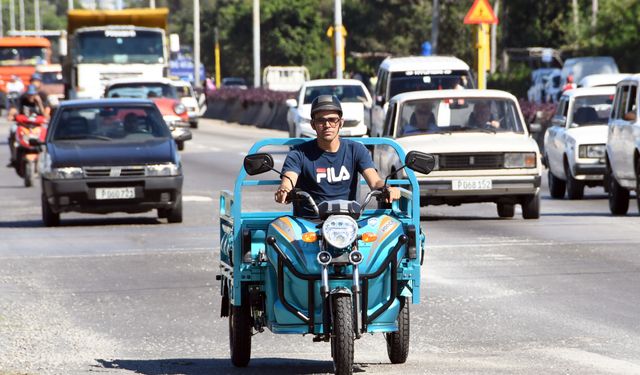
310, 237
369, 237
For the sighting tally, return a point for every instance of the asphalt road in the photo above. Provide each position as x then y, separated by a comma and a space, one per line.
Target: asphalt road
124, 294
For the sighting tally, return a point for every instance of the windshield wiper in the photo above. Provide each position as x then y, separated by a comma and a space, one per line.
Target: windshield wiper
483, 130
83, 136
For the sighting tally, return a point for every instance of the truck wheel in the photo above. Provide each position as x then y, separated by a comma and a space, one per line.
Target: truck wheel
240, 334
618, 197
342, 335
556, 186
398, 342
575, 188
531, 206
49, 218
174, 215
506, 210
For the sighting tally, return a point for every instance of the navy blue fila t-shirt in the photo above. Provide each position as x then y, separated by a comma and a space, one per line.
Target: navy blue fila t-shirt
327, 175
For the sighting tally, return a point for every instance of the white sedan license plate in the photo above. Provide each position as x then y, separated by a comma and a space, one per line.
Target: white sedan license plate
116, 193
471, 184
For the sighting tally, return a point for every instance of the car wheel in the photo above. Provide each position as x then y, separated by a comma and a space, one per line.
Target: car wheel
575, 188
638, 184
618, 196
531, 206
49, 218
506, 210
162, 213
556, 186
175, 214
180, 145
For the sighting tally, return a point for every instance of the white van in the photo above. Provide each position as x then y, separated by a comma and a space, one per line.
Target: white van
284, 78
397, 75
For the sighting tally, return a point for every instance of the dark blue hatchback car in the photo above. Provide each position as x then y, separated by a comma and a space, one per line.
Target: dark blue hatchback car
110, 155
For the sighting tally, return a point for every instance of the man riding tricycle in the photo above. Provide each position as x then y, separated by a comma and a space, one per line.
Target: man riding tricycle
332, 267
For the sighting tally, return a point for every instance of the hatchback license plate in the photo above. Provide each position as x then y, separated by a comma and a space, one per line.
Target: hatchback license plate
471, 184
116, 193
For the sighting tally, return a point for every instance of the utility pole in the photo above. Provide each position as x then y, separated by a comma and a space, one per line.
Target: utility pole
1, 23
152, 3
69, 4
576, 19
21, 3
494, 36
36, 16
337, 32
256, 43
435, 26
216, 56
12, 15
594, 13
196, 43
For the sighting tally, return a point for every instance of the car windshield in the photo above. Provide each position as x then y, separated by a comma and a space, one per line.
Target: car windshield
52, 78
104, 123
184, 91
20, 56
346, 93
234, 82
142, 90
592, 110
451, 115
124, 46
428, 80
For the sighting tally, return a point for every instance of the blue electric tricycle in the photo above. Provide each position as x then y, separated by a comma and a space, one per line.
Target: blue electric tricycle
348, 271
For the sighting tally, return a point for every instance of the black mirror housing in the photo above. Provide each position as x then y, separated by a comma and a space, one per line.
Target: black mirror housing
420, 162
258, 163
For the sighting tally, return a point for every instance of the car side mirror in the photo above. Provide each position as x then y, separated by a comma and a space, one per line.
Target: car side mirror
291, 103
379, 100
420, 162
258, 163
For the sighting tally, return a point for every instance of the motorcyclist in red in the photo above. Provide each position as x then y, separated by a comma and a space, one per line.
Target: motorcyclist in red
29, 103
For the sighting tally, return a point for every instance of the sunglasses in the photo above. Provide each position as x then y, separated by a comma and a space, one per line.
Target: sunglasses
327, 121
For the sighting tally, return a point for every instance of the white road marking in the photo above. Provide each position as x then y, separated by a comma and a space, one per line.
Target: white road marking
196, 198
597, 362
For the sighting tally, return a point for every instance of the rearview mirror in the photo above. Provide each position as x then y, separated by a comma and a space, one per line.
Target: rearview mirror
258, 163
291, 103
420, 162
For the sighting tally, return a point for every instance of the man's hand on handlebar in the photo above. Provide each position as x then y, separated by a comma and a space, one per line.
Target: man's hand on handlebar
282, 196
390, 193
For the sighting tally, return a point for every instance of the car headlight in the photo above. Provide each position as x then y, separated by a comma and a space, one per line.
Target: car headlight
591, 151
520, 160
340, 231
63, 173
179, 108
168, 169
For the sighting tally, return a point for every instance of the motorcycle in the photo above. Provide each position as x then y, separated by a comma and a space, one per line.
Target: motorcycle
30, 133
343, 273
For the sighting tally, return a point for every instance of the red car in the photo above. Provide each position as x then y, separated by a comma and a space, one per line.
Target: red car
165, 97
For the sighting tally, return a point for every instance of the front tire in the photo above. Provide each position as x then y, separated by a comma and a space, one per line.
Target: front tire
240, 334
618, 197
531, 206
342, 336
174, 215
398, 342
506, 210
575, 188
49, 218
556, 186
29, 173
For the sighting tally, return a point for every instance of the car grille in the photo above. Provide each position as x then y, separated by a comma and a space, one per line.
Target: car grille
113, 171
470, 161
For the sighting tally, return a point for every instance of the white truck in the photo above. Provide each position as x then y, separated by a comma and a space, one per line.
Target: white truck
108, 44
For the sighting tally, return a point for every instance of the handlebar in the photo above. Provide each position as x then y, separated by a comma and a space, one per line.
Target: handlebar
296, 194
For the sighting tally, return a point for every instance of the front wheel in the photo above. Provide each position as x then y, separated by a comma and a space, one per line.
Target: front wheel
531, 206
618, 197
398, 342
343, 335
240, 334
174, 215
49, 218
575, 188
29, 173
506, 210
556, 186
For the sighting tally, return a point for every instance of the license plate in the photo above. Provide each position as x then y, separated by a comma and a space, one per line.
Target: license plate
116, 193
471, 184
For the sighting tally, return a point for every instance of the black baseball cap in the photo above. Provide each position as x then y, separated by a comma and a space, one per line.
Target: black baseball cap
326, 103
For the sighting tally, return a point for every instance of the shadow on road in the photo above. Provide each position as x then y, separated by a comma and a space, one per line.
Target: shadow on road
84, 222
196, 366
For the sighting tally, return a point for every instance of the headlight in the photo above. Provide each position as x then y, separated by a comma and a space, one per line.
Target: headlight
591, 151
168, 169
63, 173
179, 108
520, 160
340, 231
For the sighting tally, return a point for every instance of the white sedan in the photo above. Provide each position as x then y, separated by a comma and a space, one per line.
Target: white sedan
482, 148
353, 95
575, 143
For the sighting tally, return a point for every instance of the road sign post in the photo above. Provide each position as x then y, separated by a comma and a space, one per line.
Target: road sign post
481, 14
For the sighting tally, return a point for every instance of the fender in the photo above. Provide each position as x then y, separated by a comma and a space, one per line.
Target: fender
340, 291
